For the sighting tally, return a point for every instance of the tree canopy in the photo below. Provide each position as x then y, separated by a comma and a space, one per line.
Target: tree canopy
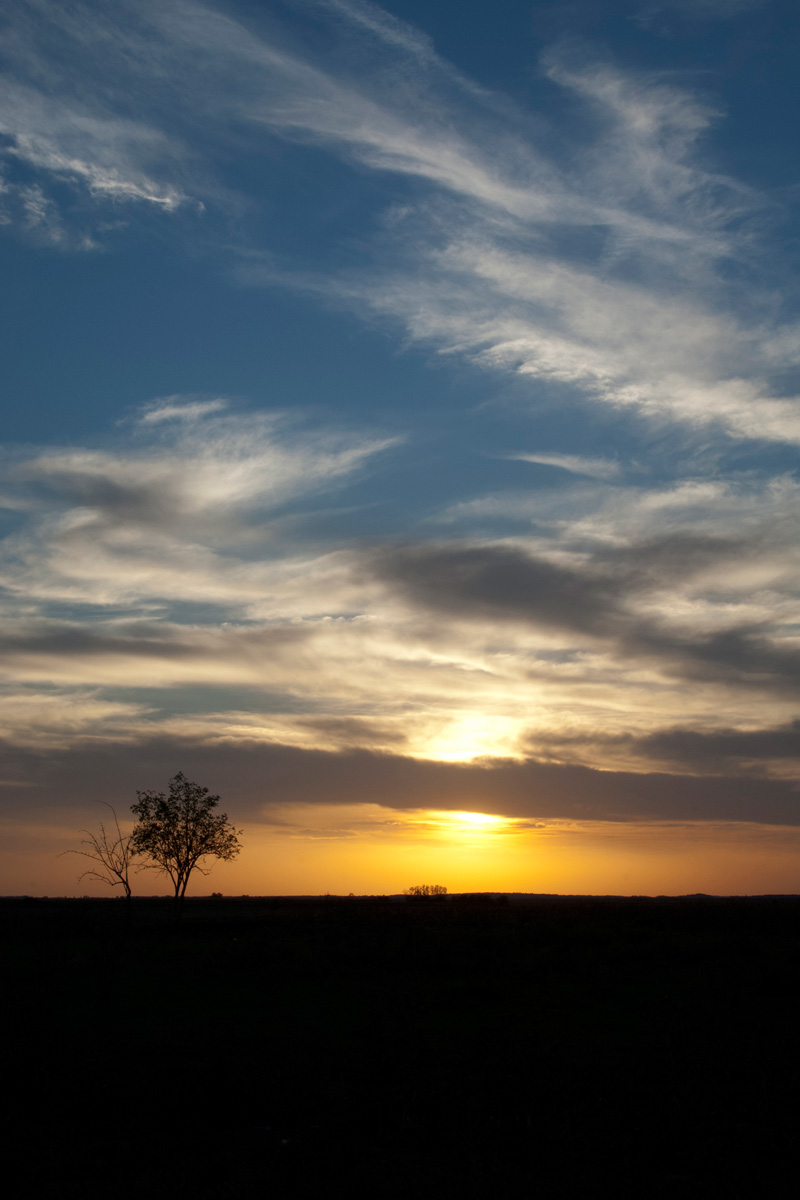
179, 829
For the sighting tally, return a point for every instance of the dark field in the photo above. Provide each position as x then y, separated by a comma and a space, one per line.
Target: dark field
458, 1048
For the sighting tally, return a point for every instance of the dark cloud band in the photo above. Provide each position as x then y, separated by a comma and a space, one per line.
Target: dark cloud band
256, 777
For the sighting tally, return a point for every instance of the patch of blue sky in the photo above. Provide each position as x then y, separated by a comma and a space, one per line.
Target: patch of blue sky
127, 325
178, 611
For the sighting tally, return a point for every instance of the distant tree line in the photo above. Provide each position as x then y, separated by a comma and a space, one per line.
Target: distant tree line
426, 889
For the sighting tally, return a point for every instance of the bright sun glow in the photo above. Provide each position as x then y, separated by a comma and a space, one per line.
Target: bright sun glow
471, 818
470, 824
469, 736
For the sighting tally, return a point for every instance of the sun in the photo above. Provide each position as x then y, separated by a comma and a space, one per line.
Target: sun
477, 819
467, 825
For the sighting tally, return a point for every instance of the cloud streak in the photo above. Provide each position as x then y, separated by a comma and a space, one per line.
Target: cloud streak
602, 268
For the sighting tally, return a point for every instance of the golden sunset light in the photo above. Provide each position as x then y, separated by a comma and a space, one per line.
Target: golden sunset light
462, 824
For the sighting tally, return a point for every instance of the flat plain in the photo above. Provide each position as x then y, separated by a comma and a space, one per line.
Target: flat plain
467, 1046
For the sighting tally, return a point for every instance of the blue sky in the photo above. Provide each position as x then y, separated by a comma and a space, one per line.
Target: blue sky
401, 389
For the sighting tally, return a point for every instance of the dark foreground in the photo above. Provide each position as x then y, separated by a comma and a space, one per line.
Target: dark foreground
459, 1048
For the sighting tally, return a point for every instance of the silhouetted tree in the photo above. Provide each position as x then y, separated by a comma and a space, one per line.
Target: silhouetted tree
112, 852
426, 889
178, 830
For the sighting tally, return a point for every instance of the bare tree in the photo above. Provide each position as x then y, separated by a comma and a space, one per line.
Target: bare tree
426, 889
111, 851
178, 830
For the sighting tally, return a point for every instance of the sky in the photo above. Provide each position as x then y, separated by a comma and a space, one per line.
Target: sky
400, 439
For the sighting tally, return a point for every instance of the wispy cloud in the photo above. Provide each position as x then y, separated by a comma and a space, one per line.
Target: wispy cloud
598, 264
698, 10
80, 144
180, 408
596, 468
162, 517
493, 272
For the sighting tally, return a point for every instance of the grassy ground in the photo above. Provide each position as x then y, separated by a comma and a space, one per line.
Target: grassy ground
458, 1048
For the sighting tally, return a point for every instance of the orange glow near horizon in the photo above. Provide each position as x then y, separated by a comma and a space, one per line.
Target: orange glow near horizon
370, 850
